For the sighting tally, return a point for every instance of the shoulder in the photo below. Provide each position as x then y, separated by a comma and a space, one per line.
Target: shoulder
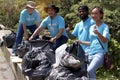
59, 17
36, 11
105, 25
24, 11
91, 20
46, 19
79, 23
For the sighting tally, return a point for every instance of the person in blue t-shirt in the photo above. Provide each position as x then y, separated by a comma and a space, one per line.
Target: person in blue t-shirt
81, 30
99, 36
99, 31
55, 25
29, 19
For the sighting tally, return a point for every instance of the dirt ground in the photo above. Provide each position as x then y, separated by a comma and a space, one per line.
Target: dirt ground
5, 70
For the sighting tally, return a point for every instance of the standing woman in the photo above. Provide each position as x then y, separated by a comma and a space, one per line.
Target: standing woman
29, 19
99, 33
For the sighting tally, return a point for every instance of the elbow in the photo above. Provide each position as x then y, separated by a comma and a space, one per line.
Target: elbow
104, 40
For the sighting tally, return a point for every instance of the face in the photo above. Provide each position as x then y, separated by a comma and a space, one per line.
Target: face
95, 14
30, 10
83, 14
51, 12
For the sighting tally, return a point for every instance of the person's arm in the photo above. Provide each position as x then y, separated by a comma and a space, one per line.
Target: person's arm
57, 36
71, 36
103, 39
25, 31
84, 42
36, 32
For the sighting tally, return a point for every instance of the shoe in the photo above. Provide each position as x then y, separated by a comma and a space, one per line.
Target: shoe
13, 54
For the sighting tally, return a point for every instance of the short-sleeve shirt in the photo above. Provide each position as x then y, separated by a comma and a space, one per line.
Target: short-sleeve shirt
95, 46
81, 31
29, 19
54, 24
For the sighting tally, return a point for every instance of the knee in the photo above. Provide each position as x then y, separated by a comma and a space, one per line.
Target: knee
91, 71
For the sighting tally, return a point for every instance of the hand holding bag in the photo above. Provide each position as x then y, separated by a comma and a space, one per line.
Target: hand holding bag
108, 61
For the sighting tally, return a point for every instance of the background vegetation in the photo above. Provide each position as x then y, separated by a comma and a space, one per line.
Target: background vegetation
10, 11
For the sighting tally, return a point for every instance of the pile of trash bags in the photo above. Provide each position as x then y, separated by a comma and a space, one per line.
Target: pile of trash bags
43, 63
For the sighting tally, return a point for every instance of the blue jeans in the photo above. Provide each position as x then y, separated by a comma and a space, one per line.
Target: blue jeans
19, 35
95, 61
63, 39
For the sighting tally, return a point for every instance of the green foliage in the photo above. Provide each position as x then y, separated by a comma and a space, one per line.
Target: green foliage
10, 11
111, 17
114, 74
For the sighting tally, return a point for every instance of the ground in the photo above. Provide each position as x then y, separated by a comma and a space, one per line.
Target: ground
5, 70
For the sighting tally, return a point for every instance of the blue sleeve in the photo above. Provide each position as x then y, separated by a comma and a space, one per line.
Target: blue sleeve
37, 17
75, 31
106, 32
61, 23
44, 23
22, 17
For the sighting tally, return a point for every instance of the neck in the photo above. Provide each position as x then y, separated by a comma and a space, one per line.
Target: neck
53, 16
85, 19
98, 23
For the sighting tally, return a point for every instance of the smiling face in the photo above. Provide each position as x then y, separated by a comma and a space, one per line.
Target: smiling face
83, 14
96, 14
30, 10
51, 12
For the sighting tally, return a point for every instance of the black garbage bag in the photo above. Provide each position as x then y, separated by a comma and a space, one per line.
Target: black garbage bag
76, 50
44, 44
9, 39
23, 48
68, 58
63, 73
37, 63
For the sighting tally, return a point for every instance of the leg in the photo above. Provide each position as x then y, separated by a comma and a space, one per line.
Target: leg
19, 36
95, 62
63, 39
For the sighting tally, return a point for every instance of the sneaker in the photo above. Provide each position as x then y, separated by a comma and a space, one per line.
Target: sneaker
13, 54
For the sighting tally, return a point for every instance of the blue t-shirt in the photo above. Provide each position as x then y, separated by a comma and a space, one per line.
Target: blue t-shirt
29, 19
54, 25
81, 31
95, 46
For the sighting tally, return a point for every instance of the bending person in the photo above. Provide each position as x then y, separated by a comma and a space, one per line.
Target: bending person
55, 25
29, 19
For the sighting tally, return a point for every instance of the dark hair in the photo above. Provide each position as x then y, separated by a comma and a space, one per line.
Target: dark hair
53, 7
100, 10
83, 7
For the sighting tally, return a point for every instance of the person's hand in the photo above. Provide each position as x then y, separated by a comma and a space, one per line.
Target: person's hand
68, 28
96, 31
26, 36
30, 38
52, 40
78, 41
